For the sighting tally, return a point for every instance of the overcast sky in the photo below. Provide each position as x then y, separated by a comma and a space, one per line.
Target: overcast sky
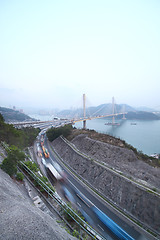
51, 52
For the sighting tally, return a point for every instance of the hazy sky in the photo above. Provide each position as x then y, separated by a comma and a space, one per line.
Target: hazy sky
51, 52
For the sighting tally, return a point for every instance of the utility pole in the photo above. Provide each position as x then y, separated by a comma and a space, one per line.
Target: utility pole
84, 111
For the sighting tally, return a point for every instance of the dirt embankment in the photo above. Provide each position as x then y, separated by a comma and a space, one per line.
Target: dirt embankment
140, 203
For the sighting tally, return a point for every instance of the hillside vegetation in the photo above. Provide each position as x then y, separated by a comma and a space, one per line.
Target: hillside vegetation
12, 115
53, 133
9, 164
19, 137
141, 115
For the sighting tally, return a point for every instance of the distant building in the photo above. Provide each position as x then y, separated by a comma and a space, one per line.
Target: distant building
14, 108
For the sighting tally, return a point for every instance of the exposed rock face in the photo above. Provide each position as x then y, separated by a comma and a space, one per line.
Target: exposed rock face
138, 202
122, 159
20, 219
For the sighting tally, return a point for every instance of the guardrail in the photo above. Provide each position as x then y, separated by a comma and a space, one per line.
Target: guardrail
82, 224
130, 217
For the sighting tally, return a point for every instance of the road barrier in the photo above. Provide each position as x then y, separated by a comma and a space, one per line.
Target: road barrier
75, 217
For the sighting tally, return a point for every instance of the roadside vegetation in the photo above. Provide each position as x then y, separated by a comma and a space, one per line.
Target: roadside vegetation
16, 161
20, 176
14, 156
53, 133
15, 140
70, 215
35, 176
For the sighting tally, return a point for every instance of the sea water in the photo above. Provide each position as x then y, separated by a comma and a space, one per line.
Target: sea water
143, 135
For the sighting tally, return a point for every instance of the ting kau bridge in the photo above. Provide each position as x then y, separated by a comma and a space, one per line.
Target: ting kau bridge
83, 119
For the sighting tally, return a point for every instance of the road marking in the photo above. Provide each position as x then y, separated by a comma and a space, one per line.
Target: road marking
79, 204
82, 200
100, 227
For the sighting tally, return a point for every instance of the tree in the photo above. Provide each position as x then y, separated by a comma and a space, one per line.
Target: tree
20, 176
1, 118
32, 166
53, 133
19, 137
9, 164
16, 153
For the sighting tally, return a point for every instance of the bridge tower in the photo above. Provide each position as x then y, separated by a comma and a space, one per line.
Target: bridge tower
124, 113
113, 118
84, 111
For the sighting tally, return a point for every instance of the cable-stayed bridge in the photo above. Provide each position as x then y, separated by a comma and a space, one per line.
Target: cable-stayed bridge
113, 114
83, 118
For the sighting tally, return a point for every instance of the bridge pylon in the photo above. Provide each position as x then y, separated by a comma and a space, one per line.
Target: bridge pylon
84, 111
124, 113
113, 118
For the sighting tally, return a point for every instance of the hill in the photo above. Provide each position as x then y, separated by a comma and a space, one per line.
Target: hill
102, 109
145, 109
105, 109
13, 115
142, 115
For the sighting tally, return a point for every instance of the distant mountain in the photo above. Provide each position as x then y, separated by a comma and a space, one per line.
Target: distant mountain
142, 115
124, 108
102, 109
145, 109
105, 109
12, 115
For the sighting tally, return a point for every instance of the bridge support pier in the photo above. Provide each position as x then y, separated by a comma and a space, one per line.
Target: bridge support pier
84, 124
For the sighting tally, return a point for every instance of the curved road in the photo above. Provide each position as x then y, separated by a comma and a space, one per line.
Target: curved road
75, 186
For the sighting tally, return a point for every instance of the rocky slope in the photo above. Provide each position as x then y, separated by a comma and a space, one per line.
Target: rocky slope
122, 159
140, 203
20, 219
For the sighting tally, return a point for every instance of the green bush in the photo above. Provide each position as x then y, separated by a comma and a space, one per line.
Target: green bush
32, 166
75, 233
53, 133
20, 176
9, 164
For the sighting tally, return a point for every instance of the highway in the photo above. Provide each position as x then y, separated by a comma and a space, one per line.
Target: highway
80, 192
